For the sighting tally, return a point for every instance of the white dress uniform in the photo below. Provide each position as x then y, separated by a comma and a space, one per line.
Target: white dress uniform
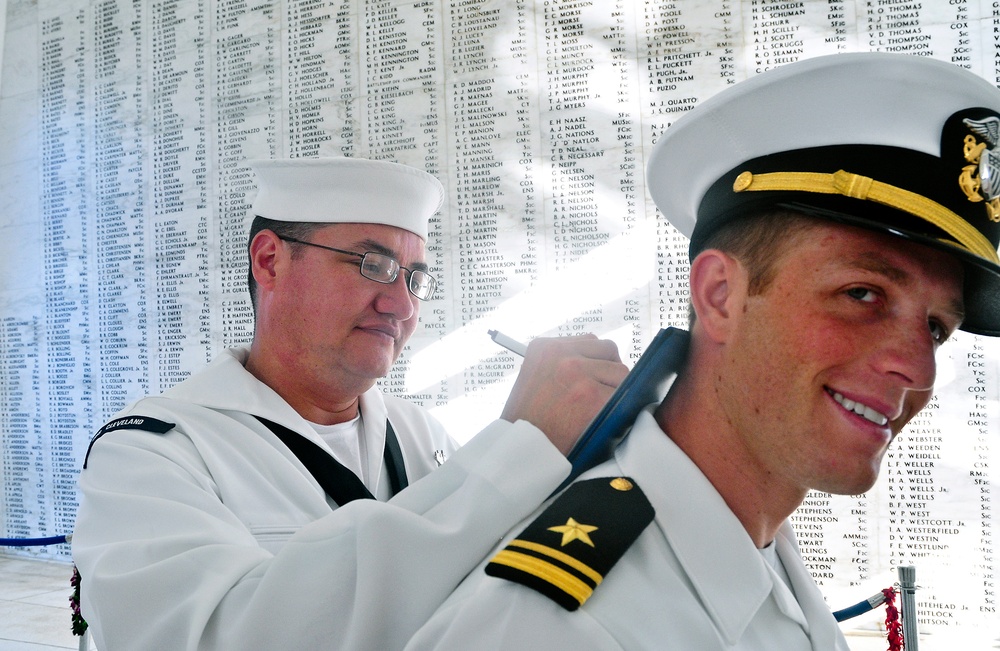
693, 580
213, 535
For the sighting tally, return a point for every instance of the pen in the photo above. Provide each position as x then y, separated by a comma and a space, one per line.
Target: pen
512, 345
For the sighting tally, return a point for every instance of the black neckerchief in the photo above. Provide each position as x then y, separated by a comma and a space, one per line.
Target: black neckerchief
341, 484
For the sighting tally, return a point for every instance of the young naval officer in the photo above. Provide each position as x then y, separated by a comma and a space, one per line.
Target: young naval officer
843, 222
209, 515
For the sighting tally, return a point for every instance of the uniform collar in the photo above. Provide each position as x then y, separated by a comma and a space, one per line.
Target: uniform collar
823, 629
724, 567
226, 385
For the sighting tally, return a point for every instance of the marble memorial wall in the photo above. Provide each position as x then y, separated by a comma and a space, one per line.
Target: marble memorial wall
124, 130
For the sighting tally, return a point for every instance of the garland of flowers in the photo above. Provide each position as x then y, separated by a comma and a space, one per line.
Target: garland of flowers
893, 627
79, 623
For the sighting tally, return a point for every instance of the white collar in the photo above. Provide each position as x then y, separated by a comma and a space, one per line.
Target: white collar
725, 568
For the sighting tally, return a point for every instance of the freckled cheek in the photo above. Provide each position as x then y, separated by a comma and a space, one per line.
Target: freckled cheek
804, 341
833, 350
833, 340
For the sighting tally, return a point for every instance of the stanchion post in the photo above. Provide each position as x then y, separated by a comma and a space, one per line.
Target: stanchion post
908, 605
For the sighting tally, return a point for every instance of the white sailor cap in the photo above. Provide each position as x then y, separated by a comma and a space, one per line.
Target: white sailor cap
901, 144
346, 190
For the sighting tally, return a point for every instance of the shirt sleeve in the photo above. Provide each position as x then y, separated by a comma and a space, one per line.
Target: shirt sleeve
167, 565
491, 614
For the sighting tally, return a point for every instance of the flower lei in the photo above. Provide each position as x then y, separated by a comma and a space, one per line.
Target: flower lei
79, 623
893, 628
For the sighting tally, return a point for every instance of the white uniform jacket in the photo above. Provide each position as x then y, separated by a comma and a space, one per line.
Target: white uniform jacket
214, 536
693, 580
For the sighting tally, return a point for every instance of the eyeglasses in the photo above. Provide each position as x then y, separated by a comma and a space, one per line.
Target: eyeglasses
383, 269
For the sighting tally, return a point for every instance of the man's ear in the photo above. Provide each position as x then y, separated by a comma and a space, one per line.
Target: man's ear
265, 251
718, 291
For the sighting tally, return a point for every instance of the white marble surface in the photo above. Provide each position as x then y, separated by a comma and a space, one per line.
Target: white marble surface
34, 605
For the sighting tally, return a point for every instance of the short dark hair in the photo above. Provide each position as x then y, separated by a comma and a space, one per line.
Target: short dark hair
758, 242
296, 230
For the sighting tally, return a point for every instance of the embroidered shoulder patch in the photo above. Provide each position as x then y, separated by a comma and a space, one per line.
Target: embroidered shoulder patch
569, 549
144, 423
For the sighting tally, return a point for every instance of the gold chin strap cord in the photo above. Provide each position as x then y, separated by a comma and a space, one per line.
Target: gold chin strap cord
868, 189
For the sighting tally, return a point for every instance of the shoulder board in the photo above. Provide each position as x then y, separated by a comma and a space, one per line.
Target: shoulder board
567, 551
144, 423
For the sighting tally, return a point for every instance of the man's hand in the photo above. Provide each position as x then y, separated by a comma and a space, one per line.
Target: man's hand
564, 382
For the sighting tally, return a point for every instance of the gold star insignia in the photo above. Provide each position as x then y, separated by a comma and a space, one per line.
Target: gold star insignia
573, 530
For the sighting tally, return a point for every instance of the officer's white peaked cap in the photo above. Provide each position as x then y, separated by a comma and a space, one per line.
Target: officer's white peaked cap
900, 144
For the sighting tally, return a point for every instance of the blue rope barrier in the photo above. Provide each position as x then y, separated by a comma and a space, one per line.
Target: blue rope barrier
34, 542
860, 608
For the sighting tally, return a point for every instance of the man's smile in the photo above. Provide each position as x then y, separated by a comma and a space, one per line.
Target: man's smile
860, 409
